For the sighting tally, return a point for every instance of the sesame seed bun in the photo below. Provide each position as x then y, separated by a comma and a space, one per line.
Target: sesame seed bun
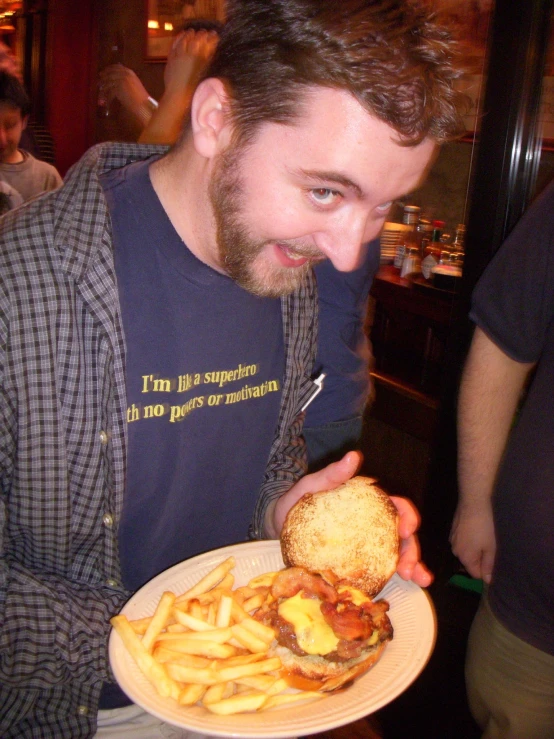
351, 531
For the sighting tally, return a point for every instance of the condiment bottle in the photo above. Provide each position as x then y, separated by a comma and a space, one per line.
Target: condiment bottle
432, 252
412, 261
459, 238
411, 219
425, 232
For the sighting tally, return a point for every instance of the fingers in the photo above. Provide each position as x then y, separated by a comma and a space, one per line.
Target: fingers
409, 516
195, 43
410, 566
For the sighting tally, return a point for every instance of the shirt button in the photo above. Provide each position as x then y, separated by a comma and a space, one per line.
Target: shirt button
111, 583
107, 519
82, 711
103, 437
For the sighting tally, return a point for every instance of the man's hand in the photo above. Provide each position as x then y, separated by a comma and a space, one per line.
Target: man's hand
409, 566
190, 53
473, 540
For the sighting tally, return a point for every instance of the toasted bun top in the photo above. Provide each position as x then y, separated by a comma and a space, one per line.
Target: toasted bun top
351, 530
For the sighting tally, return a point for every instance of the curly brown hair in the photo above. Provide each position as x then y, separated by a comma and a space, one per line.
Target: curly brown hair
393, 56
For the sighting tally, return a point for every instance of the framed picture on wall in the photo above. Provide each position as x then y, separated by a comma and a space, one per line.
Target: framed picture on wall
165, 18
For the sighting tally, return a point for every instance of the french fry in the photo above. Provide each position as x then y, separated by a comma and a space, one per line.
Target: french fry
228, 582
218, 692
140, 625
195, 610
253, 603
159, 619
223, 615
191, 694
211, 613
263, 632
201, 647
238, 614
279, 700
244, 659
202, 676
265, 580
245, 591
213, 578
248, 639
191, 622
219, 636
238, 704
163, 655
258, 682
255, 668
176, 629
154, 671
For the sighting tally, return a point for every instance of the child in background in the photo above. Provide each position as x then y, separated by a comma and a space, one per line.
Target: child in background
18, 168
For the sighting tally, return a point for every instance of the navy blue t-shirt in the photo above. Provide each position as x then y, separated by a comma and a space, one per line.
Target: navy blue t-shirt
513, 304
204, 371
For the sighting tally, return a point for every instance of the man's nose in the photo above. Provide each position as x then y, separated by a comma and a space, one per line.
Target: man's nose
344, 246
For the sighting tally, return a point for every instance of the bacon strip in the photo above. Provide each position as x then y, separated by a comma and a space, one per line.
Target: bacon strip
291, 581
350, 623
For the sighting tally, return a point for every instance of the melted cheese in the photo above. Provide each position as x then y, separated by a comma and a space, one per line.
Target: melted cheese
313, 635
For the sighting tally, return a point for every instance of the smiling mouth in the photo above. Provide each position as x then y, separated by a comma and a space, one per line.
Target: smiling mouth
291, 258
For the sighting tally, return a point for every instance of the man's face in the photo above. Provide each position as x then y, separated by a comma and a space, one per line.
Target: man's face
11, 128
318, 189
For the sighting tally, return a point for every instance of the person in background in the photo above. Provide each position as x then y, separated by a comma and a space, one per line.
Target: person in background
158, 323
9, 198
18, 168
161, 122
35, 138
503, 529
334, 419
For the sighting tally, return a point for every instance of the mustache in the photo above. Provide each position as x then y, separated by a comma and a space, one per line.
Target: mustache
302, 250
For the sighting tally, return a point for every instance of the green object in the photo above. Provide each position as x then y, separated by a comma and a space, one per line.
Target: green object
467, 583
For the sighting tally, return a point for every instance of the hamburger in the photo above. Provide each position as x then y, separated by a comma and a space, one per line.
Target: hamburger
340, 548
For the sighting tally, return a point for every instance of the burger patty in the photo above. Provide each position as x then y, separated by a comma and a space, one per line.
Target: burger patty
353, 625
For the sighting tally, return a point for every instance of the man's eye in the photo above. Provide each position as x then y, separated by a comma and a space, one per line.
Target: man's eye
384, 207
324, 195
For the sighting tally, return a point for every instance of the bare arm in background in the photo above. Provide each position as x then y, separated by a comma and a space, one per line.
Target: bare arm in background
189, 55
186, 62
490, 391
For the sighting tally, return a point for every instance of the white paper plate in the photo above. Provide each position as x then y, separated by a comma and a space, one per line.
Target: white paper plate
411, 613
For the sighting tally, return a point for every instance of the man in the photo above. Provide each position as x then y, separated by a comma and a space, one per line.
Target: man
502, 530
18, 168
334, 419
158, 327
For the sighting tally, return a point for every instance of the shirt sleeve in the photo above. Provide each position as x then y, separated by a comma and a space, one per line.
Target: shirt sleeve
53, 626
513, 302
52, 630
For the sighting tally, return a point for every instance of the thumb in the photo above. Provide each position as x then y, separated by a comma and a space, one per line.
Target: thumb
336, 473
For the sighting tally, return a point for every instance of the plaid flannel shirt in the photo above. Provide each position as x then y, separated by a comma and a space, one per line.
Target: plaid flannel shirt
63, 446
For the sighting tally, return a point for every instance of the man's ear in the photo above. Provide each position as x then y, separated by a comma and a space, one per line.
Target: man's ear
24, 121
209, 119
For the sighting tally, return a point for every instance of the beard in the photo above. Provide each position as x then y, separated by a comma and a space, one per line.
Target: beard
240, 254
